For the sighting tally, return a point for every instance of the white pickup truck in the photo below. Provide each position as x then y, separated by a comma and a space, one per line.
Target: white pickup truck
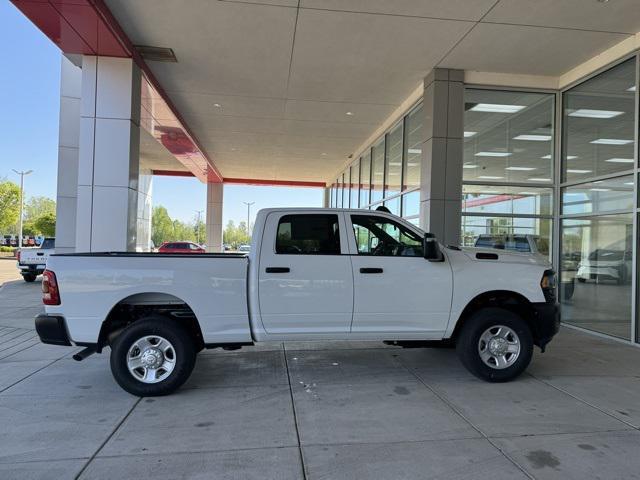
32, 261
312, 274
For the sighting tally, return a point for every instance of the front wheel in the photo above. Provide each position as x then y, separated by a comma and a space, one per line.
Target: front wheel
152, 356
495, 345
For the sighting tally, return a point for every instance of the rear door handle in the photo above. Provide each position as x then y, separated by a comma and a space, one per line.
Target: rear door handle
371, 270
277, 270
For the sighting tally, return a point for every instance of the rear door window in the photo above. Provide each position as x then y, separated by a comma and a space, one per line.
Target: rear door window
308, 235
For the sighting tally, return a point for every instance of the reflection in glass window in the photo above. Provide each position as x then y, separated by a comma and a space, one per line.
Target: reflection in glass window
487, 199
365, 175
508, 136
308, 235
347, 188
411, 204
414, 136
377, 171
598, 125
355, 184
393, 162
601, 196
340, 190
383, 237
596, 266
393, 205
508, 233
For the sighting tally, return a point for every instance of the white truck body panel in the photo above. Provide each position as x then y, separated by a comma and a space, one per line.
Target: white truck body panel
214, 288
320, 297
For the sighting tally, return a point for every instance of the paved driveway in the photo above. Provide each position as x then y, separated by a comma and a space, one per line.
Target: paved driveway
354, 410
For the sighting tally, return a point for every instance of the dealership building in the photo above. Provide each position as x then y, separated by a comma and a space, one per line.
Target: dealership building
508, 123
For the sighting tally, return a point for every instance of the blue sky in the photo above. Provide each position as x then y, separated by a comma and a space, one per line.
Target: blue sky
30, 103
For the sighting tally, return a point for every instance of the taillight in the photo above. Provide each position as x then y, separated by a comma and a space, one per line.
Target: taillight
50, 292
18, 255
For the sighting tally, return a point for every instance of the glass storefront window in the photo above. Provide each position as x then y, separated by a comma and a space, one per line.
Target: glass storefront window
524, 234
601, 196
365, 178
414, 136
595, 279
341, 192
598, 124
393, 205
355, 184
488, 199
393, 162
377, 170
347, 188
411, 204
508, 137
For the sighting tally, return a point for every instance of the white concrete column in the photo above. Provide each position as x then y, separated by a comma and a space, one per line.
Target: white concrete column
215, 193
109, 186
68, 151
326, 199
442, 149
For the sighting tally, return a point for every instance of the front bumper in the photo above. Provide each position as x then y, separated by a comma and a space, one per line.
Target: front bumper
547, 322
52, 329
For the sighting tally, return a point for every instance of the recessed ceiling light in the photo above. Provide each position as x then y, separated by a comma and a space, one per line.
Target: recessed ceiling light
631, 89
217, 105
415, 150
628, 183
395, 164
349, 113
535, 179
589, 113
534, 138
600, 189
323, 154
493, 154
469, 134
489, 177
620, 160
469, 166
496, 108
527, 193
611, 141
547, 157
521, 169
575, 170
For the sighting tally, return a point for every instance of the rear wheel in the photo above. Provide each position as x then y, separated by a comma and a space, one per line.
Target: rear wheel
495, 345
29, 277
152, 356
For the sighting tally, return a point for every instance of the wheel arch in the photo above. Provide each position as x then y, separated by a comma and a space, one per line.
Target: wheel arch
507, 299
140, 305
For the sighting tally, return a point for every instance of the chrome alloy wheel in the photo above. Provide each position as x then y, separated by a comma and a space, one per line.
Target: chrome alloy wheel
499, 347
151, 359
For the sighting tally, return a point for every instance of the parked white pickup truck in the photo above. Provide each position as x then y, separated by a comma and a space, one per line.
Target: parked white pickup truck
32, 261
312, 274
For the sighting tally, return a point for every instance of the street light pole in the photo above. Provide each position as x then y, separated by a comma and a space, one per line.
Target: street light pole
248, 204
22, 175
199, 212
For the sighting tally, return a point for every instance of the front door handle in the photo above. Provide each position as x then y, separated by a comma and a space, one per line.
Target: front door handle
371, 270
277, 270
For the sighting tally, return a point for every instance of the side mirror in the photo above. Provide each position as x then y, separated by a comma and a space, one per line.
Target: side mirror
431, 249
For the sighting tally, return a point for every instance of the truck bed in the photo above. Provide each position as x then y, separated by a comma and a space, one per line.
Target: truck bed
213, 286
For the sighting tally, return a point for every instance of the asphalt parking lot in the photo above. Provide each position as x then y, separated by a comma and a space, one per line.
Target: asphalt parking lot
346, 411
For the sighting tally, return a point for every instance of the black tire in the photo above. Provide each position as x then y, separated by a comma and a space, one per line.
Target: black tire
183, 345
29, 277
582, 280
467, 345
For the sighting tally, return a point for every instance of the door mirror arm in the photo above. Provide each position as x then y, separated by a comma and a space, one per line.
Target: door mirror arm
431, 249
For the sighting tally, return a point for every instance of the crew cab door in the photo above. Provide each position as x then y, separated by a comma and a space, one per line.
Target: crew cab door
395, 289
305, 285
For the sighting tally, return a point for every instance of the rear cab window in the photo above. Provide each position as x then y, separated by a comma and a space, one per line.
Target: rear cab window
308, 234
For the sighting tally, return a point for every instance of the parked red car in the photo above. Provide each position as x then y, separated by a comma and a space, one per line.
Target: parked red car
180, 247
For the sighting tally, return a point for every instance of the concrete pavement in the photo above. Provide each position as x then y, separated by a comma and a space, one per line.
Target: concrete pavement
347, 411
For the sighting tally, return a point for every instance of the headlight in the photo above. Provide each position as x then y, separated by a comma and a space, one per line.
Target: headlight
548, 285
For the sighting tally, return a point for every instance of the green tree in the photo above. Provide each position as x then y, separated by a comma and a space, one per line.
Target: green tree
38, 206
9, 205
161, 226
46, 224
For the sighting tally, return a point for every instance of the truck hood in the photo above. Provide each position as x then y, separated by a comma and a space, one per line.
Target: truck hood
505, 256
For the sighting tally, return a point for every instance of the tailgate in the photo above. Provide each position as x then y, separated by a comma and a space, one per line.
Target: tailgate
33, 257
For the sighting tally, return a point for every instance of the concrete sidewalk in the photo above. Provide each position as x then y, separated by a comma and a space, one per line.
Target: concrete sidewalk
348, 411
